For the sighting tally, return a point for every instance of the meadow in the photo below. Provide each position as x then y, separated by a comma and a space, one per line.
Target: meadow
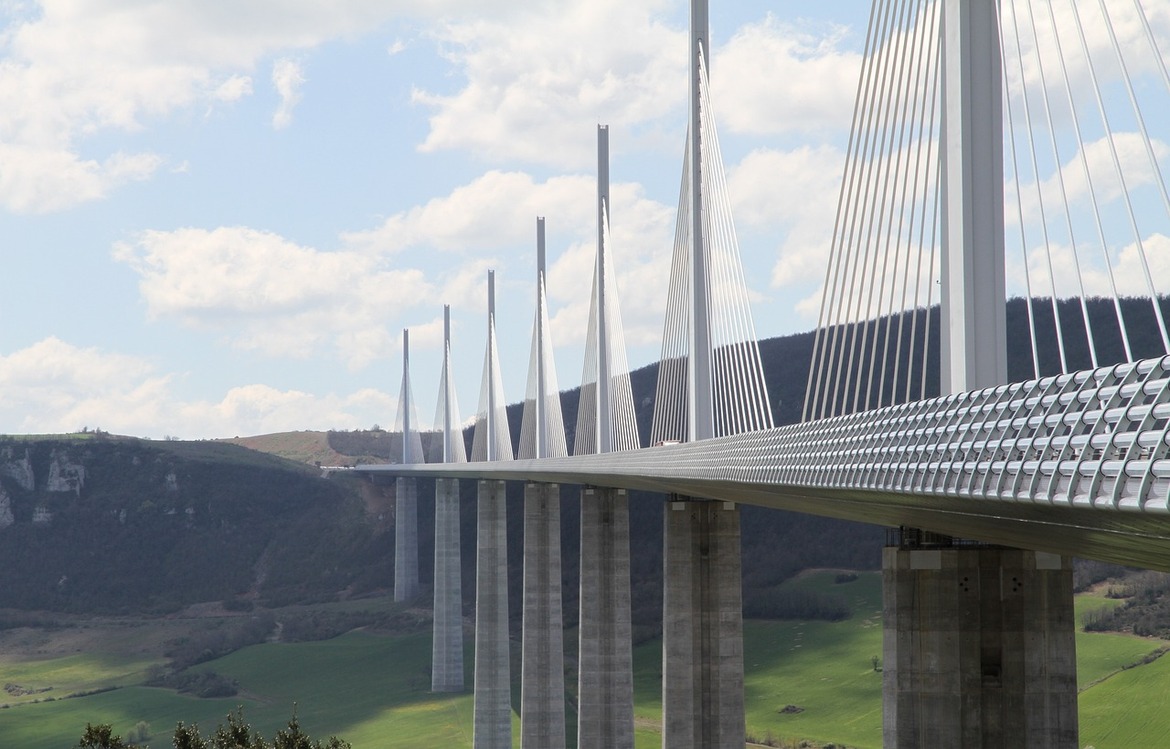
803, 680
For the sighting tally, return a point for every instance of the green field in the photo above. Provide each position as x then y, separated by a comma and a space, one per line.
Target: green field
371, 689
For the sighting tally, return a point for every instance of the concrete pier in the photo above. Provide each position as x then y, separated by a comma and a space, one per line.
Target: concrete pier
702, 627
447, 639
979, 648
542, 691
605, 686
492, 727
405, 539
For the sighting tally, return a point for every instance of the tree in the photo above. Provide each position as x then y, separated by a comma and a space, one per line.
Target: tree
101, 736
237, 734
139, 734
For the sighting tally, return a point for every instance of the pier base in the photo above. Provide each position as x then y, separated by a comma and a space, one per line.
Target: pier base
492, 721
702, 627
978, 648
405, 539
447, 639
605, 681
542, 690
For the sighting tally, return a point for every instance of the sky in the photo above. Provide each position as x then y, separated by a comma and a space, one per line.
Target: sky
216, 218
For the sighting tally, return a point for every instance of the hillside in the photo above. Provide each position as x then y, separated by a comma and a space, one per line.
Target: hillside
115, 525
336, 448
123, 525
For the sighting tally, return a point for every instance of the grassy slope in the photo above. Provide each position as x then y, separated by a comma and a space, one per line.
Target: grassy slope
1128, 710
302, 447
372, 689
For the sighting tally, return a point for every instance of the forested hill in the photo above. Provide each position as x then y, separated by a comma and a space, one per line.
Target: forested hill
104, 524
98, 524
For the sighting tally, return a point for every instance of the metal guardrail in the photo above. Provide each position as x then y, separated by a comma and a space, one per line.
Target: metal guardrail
1017, 458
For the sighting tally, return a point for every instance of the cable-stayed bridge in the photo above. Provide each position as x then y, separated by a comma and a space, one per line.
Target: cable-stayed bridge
1076, 464
982, 128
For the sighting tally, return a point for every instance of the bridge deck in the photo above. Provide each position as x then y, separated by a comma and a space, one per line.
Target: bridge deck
1077, 464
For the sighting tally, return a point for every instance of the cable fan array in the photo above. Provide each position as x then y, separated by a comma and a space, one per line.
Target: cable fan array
882, 257
406, 419
1087, 210
492, 437
447, 412
542, 429
606, 361
739, 397
1086, 190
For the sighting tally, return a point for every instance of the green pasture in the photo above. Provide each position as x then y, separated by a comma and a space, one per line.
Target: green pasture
58, 724
372, 689
1128, 709
66, 676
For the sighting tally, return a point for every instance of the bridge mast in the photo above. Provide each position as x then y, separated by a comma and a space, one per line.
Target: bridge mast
541, 384
448, 421
604, 410
492, 427
973, 294
701, 415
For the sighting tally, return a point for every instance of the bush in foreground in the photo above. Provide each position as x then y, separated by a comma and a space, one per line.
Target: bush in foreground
237, 734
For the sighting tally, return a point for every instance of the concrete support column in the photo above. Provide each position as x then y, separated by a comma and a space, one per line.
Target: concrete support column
605, 685
702, 627
447, 640
492, 727
405, 539
542, 690
979, 648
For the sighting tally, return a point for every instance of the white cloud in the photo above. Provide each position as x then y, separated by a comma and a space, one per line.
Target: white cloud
792, 195
1050, 43
71, 70
1128, 266
53, 386
809, 86
1097, 156
39, 179
287, 77
483, 222
495, 210
642, 240
233, 89
261, 409
533, 79
268, 294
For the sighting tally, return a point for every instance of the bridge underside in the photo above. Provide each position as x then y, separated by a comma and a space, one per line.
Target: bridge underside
1142, 541
1137, 539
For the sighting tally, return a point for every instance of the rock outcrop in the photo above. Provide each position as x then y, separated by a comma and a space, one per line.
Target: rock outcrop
65, 474
17, 465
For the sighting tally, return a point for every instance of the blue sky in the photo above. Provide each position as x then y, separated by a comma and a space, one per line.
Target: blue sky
217, 221
217, 217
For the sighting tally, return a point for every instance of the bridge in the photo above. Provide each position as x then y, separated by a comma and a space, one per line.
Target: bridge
992, 485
